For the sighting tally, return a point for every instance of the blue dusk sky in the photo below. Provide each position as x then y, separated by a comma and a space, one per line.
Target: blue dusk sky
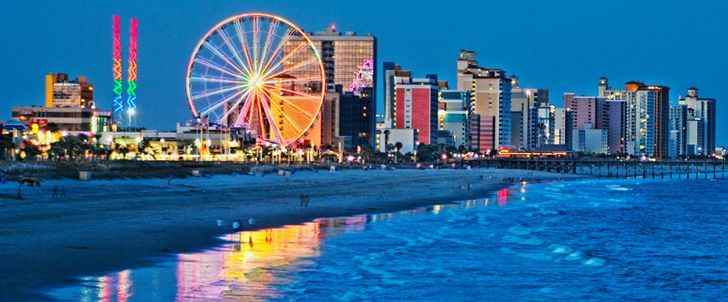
559, 45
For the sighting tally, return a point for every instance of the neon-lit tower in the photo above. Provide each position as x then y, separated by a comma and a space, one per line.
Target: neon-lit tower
132, 72
118, 105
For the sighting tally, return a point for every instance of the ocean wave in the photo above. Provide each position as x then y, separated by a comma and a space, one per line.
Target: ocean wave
618, 188
573, 256
559, 249
523, 241
594, 262
519, 230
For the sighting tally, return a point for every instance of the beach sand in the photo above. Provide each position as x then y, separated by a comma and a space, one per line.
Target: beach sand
99, 226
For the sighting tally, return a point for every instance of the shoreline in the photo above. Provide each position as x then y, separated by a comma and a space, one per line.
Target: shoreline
104, 225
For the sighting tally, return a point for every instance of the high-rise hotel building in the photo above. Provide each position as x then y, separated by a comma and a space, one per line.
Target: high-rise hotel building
343, 56
699, 124
647, 120
349, 60
357, 120
393, 75
525, 106
452, 115
598, 112
416, 107
490, 102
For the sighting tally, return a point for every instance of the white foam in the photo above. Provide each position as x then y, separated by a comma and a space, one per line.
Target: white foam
618, 188
594, 262
573, 256
560, 249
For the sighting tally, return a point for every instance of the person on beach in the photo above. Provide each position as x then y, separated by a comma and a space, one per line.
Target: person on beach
304, 200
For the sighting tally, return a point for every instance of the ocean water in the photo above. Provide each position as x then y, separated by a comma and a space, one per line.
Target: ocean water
575, 241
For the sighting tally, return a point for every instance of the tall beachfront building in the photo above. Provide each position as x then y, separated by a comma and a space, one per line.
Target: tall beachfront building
699, 136
559, 118
586, 114
543, 126
590, 120
587, 110
679, 126
616, 114
615, 109
349, 60
415, 103
452, 115
344, 54
490, 102
356, 119
598, 112
393, 75
647, 120
540, 120
524, 114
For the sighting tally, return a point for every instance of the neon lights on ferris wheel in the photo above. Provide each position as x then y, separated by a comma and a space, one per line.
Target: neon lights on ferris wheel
240, 75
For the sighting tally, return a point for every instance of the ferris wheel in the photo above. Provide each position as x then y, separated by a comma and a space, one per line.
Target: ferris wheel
259, 72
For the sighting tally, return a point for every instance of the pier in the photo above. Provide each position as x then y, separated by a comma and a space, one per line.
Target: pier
694, 169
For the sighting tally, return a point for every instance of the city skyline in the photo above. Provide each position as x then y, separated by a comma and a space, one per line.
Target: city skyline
675, 47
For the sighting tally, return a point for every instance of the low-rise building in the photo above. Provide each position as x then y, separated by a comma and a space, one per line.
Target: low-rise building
590, 140
73, 120
391, 138
69, 107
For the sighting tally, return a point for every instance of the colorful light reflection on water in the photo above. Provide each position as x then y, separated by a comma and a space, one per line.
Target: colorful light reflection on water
242, 270
246, 269
608, 240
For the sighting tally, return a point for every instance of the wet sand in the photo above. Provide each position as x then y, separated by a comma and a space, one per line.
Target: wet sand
93, 227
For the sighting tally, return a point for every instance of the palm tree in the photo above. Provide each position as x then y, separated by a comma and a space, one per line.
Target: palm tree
427, 153
57, 151
6, 145
386, 139
397, 148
